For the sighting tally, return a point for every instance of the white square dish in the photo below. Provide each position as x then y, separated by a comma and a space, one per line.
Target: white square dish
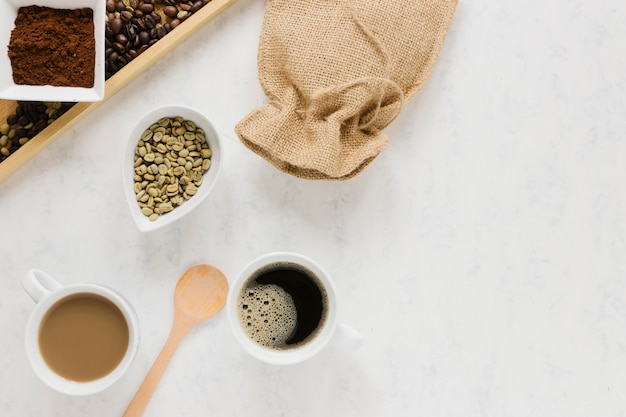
10, 90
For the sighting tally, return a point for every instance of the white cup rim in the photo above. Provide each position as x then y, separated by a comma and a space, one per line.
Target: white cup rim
296, 354
37, 362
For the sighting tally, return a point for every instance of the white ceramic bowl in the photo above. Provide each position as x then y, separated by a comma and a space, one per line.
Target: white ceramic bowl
10, 90
128, 171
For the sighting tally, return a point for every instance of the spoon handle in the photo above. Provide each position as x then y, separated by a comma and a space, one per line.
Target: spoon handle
142, 397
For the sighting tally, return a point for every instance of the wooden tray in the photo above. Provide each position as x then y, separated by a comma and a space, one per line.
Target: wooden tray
113, 85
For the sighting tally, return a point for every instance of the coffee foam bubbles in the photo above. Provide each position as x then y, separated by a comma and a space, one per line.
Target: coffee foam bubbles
267, 314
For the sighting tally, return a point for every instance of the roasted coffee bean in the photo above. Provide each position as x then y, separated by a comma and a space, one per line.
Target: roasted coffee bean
160, 32
110, 6
130, 30
170, 11
41, 124
149, 21
20, 133
119, 6
196, 6
144, 37
146, 8
116, 25
121, 38
141, 25
119, 47
156, 16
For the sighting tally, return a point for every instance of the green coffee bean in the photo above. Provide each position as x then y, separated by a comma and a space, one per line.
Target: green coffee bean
171, 158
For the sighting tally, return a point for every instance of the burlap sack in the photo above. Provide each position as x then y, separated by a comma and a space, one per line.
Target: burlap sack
336, 73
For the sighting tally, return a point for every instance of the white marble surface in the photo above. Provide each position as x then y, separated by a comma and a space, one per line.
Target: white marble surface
482, 254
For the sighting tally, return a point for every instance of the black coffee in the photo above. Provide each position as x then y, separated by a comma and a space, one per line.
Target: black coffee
282, 306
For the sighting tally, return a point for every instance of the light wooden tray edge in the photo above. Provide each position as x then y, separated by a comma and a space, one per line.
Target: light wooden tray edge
113, 85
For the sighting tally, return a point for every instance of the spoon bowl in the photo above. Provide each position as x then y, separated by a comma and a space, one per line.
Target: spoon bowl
201, 292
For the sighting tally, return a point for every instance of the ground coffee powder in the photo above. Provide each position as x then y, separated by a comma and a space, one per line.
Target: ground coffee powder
53, 47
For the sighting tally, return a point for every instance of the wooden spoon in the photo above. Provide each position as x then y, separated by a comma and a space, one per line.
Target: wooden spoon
200, 293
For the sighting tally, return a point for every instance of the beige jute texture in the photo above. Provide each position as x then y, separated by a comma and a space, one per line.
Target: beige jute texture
336, 73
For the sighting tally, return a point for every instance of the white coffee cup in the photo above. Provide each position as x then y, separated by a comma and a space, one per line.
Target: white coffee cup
329, 329
47, 292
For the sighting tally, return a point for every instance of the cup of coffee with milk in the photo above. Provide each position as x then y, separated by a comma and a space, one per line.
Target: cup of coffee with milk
80, 338
282, 308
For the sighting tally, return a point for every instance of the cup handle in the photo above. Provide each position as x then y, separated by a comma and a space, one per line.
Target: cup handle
348, 337
38, 284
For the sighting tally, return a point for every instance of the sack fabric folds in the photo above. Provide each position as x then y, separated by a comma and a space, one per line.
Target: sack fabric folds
336, 73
